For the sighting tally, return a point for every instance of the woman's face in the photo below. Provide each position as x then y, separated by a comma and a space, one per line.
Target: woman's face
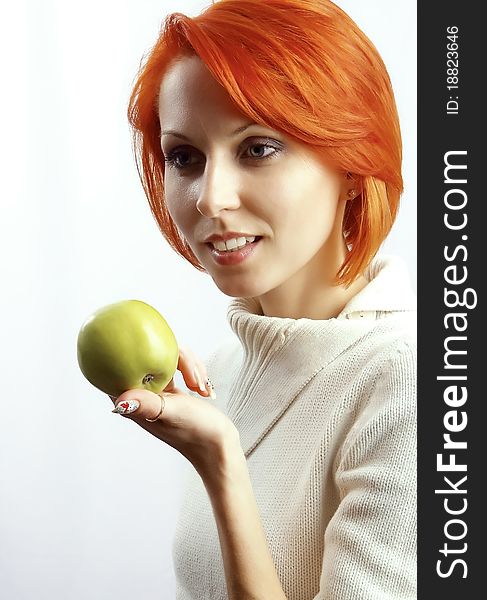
224, 173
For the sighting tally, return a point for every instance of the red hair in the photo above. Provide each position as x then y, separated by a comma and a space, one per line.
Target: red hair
304, 68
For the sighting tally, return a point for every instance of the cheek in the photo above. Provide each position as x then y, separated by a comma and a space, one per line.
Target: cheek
308, 208
293, 199
178, 203
276, 197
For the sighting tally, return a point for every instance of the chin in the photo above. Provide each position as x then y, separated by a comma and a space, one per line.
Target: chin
238, 288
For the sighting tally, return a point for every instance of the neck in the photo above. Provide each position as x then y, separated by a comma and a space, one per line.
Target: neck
316, 302
311, 293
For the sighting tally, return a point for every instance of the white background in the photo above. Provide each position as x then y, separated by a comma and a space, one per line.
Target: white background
88, 500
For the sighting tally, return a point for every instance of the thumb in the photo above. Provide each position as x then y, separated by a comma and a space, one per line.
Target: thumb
141, 404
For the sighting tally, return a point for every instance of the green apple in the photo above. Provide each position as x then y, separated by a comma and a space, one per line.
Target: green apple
127, 345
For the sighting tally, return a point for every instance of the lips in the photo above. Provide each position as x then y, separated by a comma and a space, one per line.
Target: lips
233, 257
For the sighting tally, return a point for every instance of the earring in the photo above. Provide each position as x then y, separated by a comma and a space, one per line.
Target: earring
349, 175
351, 194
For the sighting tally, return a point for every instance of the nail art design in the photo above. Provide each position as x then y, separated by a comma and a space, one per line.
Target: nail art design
126, 407
211, 388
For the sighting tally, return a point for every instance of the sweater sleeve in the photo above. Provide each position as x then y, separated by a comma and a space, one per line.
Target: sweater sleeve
370, 542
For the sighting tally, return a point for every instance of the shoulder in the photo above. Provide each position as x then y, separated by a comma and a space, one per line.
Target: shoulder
382, 345
393, 338
386, 417
395, 360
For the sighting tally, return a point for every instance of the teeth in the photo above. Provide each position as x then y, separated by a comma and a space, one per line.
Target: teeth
233, 244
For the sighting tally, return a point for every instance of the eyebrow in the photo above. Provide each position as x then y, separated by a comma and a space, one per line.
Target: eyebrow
183, 137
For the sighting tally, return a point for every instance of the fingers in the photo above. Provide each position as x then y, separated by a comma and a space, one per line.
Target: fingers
194, 373
141, 404
146, 405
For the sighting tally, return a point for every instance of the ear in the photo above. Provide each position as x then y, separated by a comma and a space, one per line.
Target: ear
351, 186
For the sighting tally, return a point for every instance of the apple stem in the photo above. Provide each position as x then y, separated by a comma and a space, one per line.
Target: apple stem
148, 378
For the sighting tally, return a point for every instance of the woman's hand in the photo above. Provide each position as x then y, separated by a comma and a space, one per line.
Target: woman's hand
210, 441
191, 425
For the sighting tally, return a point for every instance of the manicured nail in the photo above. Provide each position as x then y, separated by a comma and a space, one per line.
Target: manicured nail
199, 379
211, 389
126, 407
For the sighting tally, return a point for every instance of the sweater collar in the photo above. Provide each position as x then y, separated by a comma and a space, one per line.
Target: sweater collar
301, 348
388, 290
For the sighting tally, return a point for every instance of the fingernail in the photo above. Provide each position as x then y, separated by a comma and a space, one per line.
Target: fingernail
126, 407
211, 389
199, 379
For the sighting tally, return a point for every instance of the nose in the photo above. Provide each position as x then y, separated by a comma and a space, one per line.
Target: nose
219, 189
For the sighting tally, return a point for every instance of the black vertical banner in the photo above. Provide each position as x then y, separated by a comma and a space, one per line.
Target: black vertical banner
452, 265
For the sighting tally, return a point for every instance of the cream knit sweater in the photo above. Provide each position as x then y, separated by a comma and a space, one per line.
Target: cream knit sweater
326, 415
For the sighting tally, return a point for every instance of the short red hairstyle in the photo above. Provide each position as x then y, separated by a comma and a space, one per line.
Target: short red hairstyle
304, 68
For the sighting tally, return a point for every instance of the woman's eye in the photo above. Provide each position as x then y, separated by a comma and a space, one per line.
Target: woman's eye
183, 158
262, 150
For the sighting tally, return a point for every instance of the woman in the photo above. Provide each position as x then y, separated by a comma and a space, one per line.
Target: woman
268, 144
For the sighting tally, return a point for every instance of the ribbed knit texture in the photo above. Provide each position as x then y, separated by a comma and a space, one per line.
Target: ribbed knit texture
326, 411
